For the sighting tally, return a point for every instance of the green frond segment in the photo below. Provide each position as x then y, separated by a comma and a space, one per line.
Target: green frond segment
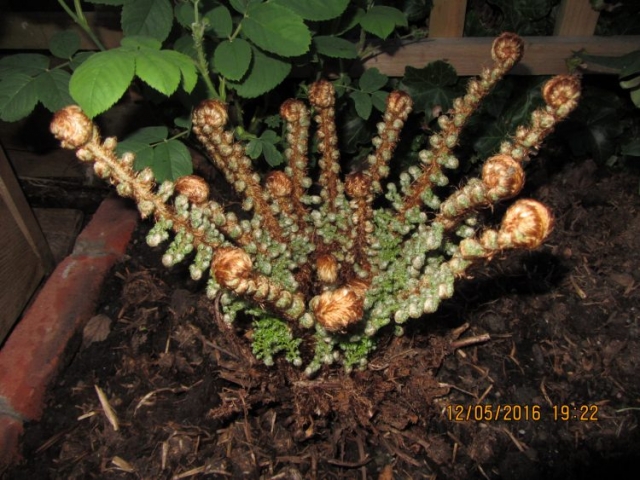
272, 336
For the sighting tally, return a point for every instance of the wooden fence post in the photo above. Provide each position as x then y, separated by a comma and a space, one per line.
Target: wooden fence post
576, 18
447, 18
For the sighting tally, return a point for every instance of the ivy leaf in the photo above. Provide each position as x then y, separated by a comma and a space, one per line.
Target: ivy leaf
334, 47
171, 160
428, 86
53, 89
316, 10
381, 20
379, 100
363, 104
64, 44
18, 97
30, 64
232, 58
372, 80
152, 18
220, 21
354, 132
95, 90
276, 29
266, 73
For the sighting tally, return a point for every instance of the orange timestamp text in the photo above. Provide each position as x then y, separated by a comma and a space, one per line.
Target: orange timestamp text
489, 412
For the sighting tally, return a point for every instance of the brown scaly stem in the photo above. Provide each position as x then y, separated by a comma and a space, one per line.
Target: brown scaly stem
209, 120
232, 267
506, 52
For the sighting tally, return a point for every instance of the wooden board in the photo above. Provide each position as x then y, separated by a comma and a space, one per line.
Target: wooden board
543, 55
25, 257
576, 18
446, 19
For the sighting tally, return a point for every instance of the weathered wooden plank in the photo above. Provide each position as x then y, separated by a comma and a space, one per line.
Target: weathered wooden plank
446, 19
543, 55
24, 253
576, 18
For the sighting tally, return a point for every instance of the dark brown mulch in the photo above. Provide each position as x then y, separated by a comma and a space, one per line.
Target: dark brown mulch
556, 330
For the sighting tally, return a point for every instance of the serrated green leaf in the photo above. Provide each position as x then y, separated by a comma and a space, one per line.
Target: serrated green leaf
183, 122
232, 59
95, 90
372, 80
430, 86
79, 58
146, 135
186, 66
64, 44
185, 45
18, 97
379, 100
416, 10
254, 148
265, 74
241, 6
137, 42
151, 18
185, 14
157, 69
276, 29
354, 132
270, 136
316, 10
362, 103
171, 160
53, 89
30, 64
271, 154
381, 21
334, 47
220, 21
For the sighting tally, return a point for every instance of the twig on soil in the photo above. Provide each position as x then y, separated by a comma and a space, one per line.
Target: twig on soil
198, 470
122, 464
519, 445
106, 407
343, 464
145, 399
475, 340
543, 389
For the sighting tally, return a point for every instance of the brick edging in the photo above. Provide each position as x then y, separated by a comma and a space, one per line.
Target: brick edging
30, 357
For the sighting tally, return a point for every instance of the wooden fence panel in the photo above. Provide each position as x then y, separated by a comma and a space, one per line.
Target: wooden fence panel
447, 18
576, 18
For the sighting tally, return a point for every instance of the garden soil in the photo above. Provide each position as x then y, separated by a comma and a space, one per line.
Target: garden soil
531, 371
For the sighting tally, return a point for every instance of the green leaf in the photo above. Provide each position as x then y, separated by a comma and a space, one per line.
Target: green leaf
254, 148
372, 80
186, 66
64, 44
334, 47
265, 74
239, 6
185, 45
232, 59
379, 99
363, 104
18, 97
146, 135
53, 89
102, 80
220, 21
428, 86
152, 18
30, 64
271, 154
631, 148
354, 132
171, 160
276, 29
316, 10
635, 97
79, 58
183, 122
141, 143
631, 83
137, 42
185, 14
157, 69
381, 20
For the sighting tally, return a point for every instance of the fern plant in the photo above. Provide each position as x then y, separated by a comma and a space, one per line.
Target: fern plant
328, 264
